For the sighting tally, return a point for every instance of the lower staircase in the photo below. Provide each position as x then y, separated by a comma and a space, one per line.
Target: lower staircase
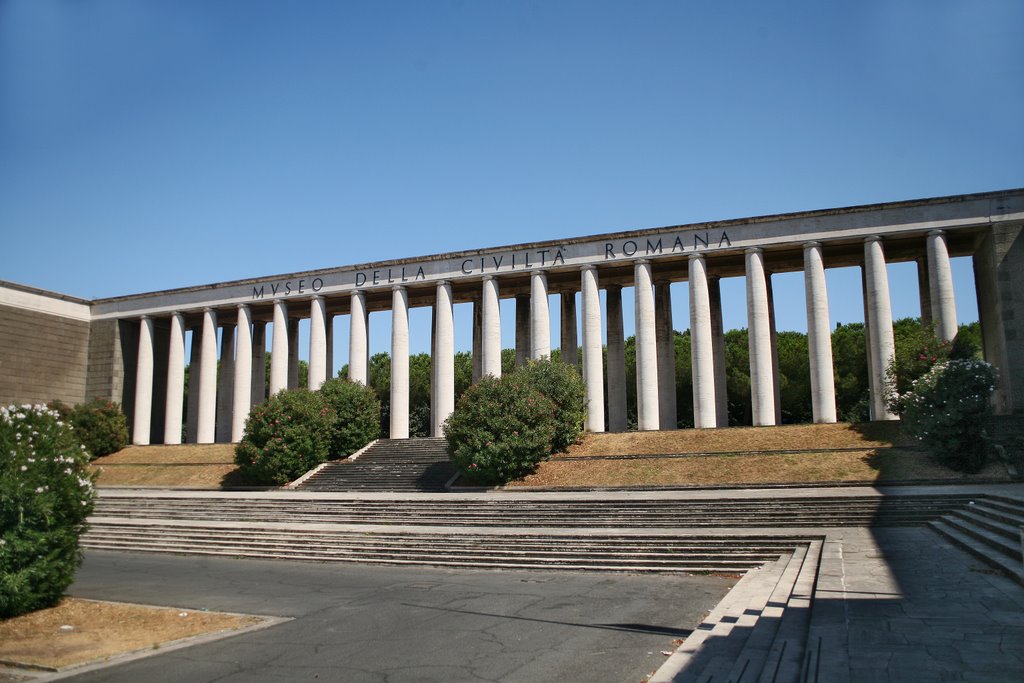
990, 528
388, 465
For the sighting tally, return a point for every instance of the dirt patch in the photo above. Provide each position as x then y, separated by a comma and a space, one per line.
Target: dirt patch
101, 630
732, 439
193, 466
869, 465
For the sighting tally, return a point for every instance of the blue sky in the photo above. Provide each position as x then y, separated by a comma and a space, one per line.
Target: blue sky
156, 144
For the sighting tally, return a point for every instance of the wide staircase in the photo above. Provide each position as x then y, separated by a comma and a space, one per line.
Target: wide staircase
388, 465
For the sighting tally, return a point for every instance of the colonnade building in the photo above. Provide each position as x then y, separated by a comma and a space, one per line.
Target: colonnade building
131, 349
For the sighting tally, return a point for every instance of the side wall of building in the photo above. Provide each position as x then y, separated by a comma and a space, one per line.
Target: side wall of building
44, 347
999, 276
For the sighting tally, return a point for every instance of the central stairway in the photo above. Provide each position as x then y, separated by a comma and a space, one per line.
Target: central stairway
388, 465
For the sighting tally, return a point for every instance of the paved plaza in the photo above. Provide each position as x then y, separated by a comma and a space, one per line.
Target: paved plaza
889, 604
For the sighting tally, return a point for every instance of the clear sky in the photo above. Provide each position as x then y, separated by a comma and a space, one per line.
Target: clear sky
151, 144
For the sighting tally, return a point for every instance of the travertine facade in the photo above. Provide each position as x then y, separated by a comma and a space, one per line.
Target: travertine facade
131, 348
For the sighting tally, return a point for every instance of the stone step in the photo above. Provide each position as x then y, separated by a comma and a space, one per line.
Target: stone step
1012, 567
995, 524
557, 547
434, 562
997, 542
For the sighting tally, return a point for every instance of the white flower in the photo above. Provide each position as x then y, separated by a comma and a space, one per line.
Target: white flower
39, 489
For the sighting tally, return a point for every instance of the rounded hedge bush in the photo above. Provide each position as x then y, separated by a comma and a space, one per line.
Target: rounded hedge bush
46, 493
285, 436
564, 386
356, 415
500, 429
100, 426
947, 410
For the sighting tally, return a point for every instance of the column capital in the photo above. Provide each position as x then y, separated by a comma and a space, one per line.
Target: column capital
753, 250
243, 307
317, 297
144, 317
398, 288
872, 238
936, 233
485, 278
696, 257
536, 271
811, 244
641, 262
442, 283
208, 309
588, 266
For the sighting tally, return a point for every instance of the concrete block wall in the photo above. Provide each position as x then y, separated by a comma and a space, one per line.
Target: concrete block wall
44, 347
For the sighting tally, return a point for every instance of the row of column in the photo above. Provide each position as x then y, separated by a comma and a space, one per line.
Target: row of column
244, 345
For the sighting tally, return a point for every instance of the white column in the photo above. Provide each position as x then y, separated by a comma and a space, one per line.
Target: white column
317, 342
569, 347
444, 358
773, 335
666, 342
593, 363
279, 352
702, 350
143, 384
399, 364
243, 374
225, 385
616, 360
205, 429
540, 317
358, 344
940, 287
882, 343
293, 354
647, 416
819, 336
259, 363
491, 333
718, 351
762, 387
175, 380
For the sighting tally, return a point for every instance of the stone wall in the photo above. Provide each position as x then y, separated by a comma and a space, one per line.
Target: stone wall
43, 356
999, 278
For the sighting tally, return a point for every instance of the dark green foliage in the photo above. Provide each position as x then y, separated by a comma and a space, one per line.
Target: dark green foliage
947, 409
501, 429
46, 493
850, 361
285, 436
100, 426
564, 386
356, 415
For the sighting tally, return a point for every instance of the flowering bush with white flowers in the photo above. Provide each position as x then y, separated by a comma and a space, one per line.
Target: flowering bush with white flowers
46, 493
947, 410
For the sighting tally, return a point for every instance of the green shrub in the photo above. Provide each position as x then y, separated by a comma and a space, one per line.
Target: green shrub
947, 409
500, 429
356, 415
564, 386
46, 492
285, 436
100, 426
